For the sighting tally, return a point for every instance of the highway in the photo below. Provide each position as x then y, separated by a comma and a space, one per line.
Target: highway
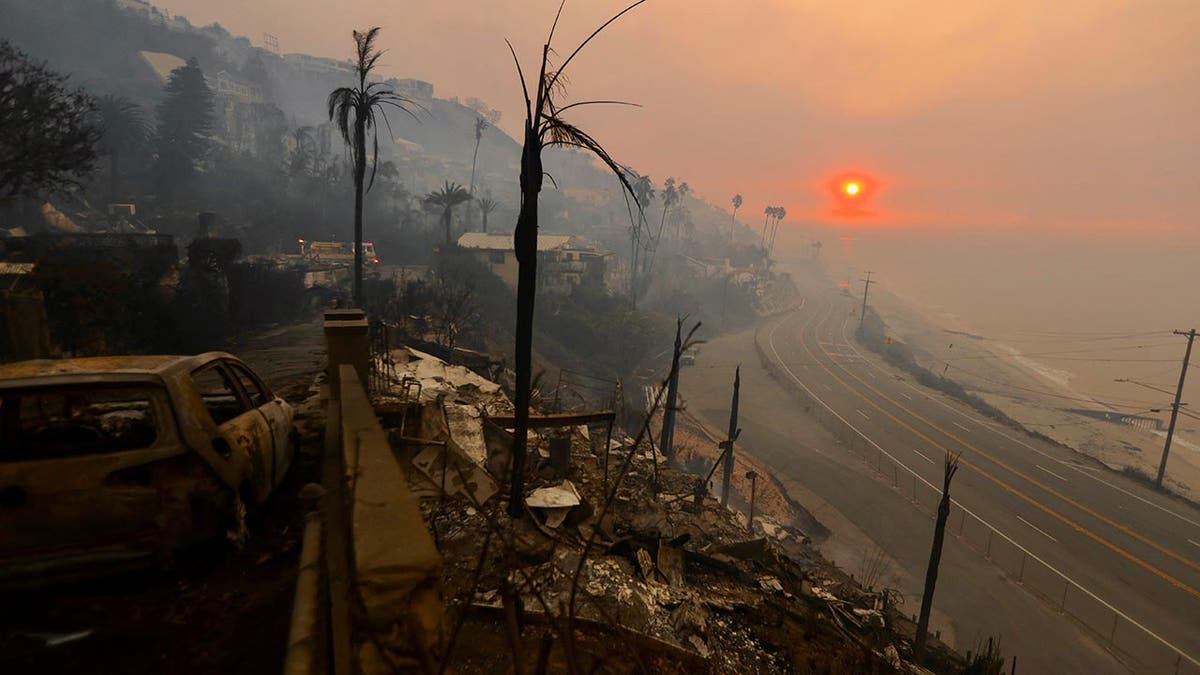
1101, 564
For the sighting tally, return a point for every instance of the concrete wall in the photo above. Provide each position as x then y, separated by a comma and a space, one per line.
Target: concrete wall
395, 566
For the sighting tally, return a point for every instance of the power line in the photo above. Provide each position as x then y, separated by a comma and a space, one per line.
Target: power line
1099, 334
983, 354
1081, 422
996, 337
1129, 403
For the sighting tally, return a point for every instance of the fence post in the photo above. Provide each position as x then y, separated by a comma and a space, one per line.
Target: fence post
1112, 634
1063, 604
1021, 576
988, 553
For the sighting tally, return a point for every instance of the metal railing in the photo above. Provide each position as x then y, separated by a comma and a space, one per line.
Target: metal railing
1125, 637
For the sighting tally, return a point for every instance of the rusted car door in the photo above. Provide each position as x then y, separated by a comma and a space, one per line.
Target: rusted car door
240, 433
277, 414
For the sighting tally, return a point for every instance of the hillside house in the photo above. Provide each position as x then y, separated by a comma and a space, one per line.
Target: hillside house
565, 262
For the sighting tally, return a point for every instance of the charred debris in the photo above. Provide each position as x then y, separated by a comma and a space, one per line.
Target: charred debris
622, 560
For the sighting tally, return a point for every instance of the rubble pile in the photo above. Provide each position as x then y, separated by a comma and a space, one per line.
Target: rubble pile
621, 562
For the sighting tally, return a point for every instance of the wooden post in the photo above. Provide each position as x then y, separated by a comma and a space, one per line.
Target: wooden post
753, 485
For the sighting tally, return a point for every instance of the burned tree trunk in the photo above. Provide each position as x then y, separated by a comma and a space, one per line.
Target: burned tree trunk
525, 245
734, 432
935, 556
667, 440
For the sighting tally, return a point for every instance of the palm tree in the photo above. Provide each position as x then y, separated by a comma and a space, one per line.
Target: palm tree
780, 214
450, 196
737, 204
670, 195
681, 193
643, 194
545, 126
357, 111
125, 129
767, 213
481, 125
486, 206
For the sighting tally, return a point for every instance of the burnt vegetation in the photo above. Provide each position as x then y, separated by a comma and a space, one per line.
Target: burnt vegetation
185, 191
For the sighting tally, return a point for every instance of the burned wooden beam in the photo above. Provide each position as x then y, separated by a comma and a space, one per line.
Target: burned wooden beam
557, 420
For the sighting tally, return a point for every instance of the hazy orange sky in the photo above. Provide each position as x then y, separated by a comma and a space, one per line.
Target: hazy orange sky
1077, 113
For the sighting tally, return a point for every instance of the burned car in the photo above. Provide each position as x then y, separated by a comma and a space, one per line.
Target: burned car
118, 461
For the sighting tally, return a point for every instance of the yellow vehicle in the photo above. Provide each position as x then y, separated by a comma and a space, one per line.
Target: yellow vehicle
336, 251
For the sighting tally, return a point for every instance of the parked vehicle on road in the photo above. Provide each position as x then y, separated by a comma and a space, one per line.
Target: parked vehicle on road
117, 461
688, 357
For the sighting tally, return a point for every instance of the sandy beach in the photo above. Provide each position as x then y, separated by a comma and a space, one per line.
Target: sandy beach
1047, 393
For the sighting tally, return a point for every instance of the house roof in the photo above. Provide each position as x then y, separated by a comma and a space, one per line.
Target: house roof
492, 241
162, 63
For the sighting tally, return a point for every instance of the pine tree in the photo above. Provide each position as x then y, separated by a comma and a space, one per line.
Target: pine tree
185, 119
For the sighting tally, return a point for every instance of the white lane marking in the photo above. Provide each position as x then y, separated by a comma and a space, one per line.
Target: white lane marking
1033, 556
872, 376
862, 413
994, 429
1052, 473
961, 427
924, 456
827, 387
1193, 543
1044, 533
905, 395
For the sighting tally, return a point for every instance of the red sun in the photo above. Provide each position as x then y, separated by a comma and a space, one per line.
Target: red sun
851, 193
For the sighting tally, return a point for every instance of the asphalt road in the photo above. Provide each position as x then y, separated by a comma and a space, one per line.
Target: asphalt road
1066, 562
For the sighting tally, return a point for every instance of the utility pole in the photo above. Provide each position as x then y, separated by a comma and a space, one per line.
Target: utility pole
734, 432
1162, 465
863, 316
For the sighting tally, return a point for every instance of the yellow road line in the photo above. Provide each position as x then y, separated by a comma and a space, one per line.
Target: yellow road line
1001, 483
1048, 488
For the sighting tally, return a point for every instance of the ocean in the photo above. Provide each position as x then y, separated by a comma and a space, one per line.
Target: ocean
1077, 309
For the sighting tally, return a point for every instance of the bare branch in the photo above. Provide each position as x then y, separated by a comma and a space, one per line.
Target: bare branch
593, 35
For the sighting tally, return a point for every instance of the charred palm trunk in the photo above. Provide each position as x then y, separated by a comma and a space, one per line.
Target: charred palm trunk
446, 218
935, 557
471, 188
360, 173
525, 245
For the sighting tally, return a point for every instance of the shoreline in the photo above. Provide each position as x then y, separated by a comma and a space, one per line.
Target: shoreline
1022, 390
